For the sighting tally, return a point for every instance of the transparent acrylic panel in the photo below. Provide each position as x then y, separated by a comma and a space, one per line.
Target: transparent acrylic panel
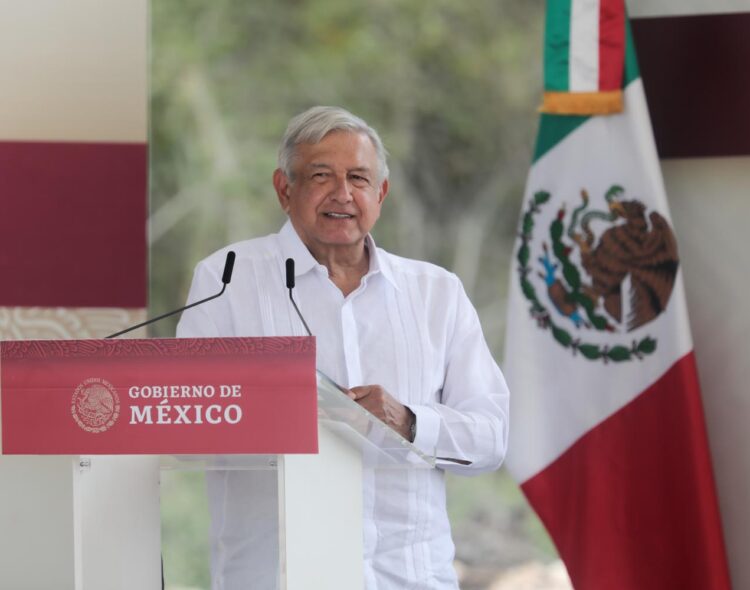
381, 447
222, 462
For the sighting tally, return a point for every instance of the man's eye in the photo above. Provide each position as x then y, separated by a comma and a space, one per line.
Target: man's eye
320, 176
360, 180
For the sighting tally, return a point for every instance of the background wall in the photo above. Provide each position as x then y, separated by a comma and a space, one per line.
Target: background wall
73, 167
710, 208
73, 262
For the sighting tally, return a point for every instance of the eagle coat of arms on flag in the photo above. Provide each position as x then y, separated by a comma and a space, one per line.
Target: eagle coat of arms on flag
611, 269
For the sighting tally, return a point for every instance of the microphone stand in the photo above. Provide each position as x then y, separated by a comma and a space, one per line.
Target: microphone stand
166, 315
290, 286
226, 278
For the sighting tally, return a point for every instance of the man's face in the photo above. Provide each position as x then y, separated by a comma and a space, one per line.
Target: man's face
336, 195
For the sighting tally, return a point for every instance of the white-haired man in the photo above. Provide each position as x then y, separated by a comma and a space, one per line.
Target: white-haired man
400, 334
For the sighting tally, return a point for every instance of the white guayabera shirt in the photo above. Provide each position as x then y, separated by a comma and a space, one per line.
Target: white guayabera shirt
408, 327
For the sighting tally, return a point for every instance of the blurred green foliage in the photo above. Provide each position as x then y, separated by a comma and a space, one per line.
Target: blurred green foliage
452, 87
185, 526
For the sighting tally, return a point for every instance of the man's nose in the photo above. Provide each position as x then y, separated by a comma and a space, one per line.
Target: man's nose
342, 191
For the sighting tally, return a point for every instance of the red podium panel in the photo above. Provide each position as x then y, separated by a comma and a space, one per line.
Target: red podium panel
159, 396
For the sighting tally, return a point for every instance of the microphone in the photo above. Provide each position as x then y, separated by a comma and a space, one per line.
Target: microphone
226, 277
228, 268
290, 286
290, 274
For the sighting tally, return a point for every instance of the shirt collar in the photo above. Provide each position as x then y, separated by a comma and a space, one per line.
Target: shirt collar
293, 247
380, 263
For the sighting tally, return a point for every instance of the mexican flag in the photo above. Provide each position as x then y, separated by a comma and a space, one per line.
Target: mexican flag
608, 440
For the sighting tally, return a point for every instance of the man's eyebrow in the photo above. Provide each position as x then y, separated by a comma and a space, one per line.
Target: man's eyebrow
360, 169
322, 166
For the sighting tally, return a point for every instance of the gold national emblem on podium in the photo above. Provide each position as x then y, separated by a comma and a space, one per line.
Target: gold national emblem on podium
95, 405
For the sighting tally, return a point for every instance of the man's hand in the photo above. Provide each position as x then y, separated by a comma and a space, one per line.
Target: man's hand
385, 407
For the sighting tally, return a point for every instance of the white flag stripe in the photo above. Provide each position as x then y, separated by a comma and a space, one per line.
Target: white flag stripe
583, 67
566, 400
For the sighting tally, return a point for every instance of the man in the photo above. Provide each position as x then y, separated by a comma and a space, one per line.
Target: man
400, 334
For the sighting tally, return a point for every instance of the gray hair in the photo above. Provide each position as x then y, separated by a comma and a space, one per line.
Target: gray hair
315, 123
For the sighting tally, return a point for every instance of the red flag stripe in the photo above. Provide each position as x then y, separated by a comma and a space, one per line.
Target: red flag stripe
611, 44
638, 489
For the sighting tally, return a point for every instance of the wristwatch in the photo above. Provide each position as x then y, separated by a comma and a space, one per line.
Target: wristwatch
413, 428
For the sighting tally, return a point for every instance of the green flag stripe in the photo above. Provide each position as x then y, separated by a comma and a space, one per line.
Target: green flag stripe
554, 128
632, 72
557, 45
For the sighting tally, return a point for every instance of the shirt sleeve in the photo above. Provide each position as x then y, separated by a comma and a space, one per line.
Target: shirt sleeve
468, 430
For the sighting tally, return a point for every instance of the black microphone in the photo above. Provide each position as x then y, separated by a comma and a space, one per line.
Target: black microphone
226, 277
290, 273
290, 286
228, 268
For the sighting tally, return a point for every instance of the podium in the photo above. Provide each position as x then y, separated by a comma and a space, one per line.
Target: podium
87, 426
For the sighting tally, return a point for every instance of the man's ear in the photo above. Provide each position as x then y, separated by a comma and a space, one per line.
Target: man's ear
281, 184
384, 186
